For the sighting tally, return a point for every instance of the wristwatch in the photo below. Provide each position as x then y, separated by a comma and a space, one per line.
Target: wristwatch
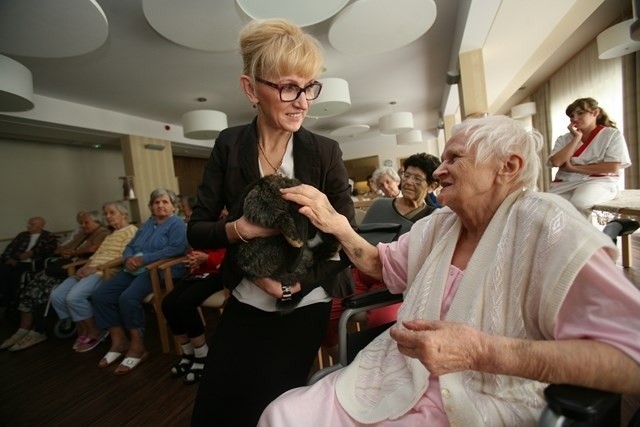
286, 293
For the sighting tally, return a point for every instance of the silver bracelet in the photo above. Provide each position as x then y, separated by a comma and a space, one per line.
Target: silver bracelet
286, 293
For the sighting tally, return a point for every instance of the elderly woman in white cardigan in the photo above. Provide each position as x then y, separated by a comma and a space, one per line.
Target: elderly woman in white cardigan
505, 289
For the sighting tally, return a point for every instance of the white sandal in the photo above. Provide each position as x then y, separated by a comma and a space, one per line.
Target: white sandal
130, 363
109, 358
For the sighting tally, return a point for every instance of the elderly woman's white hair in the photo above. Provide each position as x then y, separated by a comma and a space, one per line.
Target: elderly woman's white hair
499, 136
163, 192
385, 170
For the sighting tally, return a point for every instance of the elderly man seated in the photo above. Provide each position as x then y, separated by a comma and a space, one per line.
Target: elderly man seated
35, 244
505, 290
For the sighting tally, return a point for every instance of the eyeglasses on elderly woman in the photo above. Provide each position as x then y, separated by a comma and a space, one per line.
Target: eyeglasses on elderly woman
289, 92
417, 179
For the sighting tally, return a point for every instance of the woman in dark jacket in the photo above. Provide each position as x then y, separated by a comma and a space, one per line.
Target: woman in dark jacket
257, 353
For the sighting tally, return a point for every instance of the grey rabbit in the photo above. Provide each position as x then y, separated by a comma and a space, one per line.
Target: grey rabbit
286, 257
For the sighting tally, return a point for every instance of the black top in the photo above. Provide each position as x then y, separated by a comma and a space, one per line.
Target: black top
233, 166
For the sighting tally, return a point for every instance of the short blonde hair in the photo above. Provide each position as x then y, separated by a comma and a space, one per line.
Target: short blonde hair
276, 47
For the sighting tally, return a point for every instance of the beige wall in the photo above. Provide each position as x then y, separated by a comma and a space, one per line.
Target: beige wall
54, 181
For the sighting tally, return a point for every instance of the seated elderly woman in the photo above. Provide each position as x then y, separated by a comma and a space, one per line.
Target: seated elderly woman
505, 289
35, 292
388, 181
71, 298
416, 183
180, 308
117, 303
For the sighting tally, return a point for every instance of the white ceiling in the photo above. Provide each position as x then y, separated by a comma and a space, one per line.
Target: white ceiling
140, 73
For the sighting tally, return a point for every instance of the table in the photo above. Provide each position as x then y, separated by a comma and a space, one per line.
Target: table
627, 204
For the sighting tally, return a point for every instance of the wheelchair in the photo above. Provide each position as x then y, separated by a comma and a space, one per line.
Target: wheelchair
567, 405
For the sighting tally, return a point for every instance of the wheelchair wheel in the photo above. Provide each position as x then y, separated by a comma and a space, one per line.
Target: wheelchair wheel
65, 328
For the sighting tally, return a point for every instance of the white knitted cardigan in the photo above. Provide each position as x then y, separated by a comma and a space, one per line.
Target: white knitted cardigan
513, 286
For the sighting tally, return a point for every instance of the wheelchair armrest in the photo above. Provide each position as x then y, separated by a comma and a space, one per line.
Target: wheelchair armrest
378, 226
379, 232
584, 404
375, 297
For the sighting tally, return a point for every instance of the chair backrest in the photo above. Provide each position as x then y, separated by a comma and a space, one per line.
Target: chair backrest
382, 211
382, 223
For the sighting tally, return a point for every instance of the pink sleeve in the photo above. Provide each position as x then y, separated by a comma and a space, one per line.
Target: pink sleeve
603, 305
395, 261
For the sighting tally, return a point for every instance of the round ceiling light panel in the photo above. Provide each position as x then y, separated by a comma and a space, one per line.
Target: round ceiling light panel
16, 86
215, 29
301, 12
349, 130
367, 27
51, 29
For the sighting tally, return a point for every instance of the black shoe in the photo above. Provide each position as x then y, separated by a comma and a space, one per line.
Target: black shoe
620, 227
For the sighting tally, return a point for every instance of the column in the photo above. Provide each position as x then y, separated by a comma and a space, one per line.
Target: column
473, 91
150, 162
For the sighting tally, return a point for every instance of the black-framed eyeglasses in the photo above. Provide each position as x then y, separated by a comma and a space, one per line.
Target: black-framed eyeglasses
417, 179
289, 92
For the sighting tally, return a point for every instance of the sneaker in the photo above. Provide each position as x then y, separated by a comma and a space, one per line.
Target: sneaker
29, 340
13, 339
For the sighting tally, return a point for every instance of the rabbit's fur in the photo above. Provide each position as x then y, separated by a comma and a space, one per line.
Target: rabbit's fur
286, 257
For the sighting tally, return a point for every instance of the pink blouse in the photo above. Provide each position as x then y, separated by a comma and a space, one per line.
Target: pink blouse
602, 304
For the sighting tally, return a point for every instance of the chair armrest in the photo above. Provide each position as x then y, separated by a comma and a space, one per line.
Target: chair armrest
108, 266
155, 264
116, 262
584, 404
71, 267
375, 297
171, 262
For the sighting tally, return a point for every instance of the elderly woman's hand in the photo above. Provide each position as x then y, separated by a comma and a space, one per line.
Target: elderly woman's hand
273, 287
442, 347
195, 259
133, 263
317, 208
85, 271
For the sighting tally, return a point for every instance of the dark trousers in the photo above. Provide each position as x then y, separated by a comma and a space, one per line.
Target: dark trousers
180, 306
10, 276
254, 357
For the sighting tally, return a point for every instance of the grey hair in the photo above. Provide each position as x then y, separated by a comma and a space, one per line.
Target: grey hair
95, 216
158, 192
119, 206
495, 137
385, 170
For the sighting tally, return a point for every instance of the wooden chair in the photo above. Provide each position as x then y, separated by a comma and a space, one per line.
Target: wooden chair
215, 301
158, 291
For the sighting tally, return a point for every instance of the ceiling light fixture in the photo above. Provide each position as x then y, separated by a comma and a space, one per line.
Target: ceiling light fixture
334, 98
618, 40
203, 124
520, 111
396, 123
412, 137
16, 86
